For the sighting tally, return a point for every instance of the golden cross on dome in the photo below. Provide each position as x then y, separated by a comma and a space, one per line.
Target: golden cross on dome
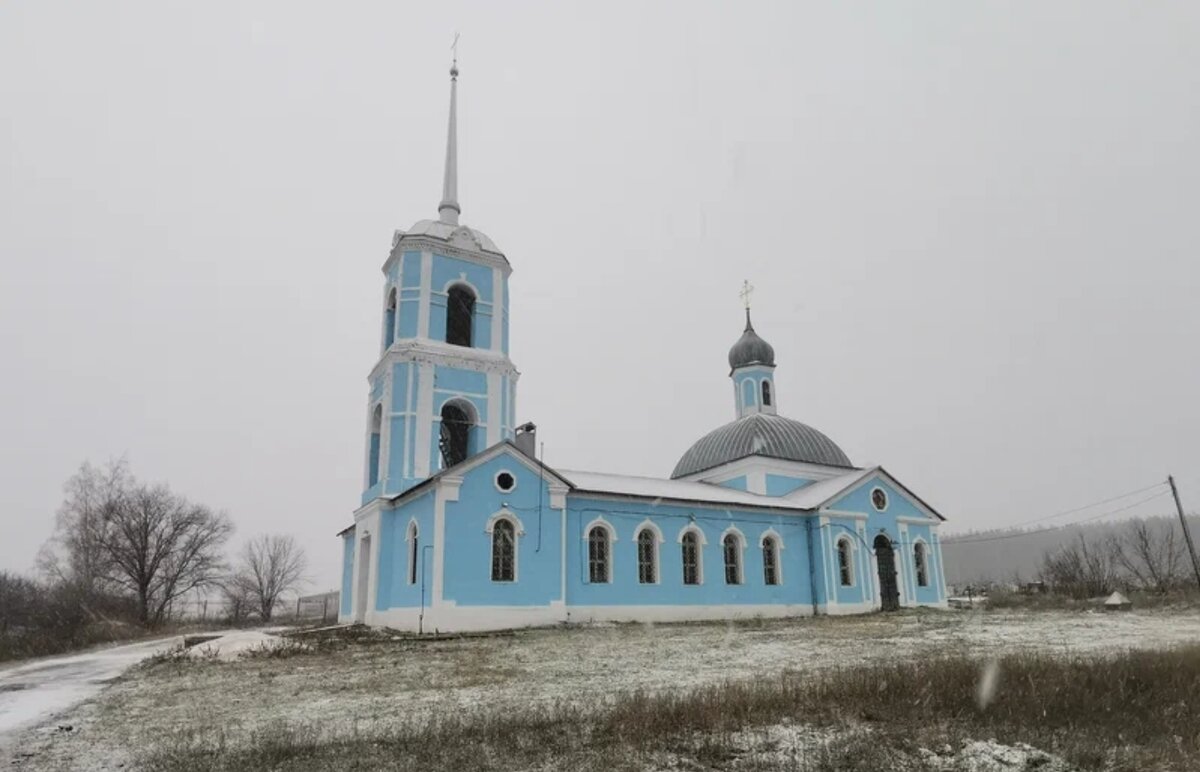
746, 292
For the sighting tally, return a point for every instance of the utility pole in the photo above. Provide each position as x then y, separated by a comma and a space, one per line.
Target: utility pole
1187, 535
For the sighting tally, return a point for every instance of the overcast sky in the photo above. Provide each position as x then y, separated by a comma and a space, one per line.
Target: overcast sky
973, 228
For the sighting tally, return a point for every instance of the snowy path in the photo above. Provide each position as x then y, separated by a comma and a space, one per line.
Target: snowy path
34, 692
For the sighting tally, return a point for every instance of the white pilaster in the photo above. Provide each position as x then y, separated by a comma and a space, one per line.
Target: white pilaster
424, 437
426, 294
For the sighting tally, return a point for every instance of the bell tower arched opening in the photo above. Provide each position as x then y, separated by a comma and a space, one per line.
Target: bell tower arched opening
458, 418
460, 316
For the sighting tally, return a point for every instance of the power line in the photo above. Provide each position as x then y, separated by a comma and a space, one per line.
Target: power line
1160, 494
1087, 506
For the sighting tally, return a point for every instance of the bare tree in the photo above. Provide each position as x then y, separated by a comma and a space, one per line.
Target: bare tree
1150, 553
162, 546
271, 565
74, 555
117, 535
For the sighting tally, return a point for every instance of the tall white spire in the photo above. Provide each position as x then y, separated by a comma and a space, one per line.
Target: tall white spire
449, 209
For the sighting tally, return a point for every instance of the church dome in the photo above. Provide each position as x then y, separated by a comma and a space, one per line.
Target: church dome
751, 349
760, 434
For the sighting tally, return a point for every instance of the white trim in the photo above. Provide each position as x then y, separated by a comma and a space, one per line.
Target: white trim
777, 540
850, 556
518, 532
496, 481
498, 310
739, 467
925, 552
413, 537
504, 513
843, 514
653, 526
601, 522
607, 527
932, 523
701, 543
422, 460
649, 525
424, 303
740, 537
447, 492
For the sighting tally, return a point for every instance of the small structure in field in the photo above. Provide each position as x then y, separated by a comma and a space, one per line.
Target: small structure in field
1117, 602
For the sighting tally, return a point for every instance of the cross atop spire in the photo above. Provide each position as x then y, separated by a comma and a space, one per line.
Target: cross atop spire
745, 293
449, 209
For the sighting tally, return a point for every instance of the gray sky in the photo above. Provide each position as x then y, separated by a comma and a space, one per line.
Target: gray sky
972, 225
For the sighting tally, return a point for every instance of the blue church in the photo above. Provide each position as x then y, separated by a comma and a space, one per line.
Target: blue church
460, 527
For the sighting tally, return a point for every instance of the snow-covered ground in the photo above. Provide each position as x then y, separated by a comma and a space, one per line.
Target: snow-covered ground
36, 692
369, 688
33, 692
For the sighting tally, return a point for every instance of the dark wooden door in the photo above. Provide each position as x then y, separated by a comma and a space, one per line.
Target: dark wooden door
885, 557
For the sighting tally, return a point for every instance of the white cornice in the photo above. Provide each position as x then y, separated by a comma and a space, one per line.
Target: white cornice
424, 243
439, 353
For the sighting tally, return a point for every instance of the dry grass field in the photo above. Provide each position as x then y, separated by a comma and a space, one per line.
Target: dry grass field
901, 691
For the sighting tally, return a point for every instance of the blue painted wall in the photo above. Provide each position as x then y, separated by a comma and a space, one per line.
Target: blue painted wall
395, 589
468, 565
781, 485
624, 589
736, 483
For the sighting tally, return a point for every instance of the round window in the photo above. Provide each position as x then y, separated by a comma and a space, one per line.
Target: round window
505, 481
879, 499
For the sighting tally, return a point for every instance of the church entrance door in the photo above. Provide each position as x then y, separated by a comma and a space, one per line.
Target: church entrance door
885, 558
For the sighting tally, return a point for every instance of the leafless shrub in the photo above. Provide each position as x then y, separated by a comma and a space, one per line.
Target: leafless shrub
1081, 569
1151, 553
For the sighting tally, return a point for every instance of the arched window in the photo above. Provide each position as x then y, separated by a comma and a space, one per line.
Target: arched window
766, 393
598, 568
770, 549
690, 549
389, 320
455, 438
647, 547
845, 563
374, 460
748, 394
504, 551
460, 316
414, 552
919, 561
732, 548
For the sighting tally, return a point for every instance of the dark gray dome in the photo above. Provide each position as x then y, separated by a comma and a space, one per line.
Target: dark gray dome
760, 434
751, 349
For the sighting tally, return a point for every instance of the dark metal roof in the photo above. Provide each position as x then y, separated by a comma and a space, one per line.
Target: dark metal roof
761, 434
751, 349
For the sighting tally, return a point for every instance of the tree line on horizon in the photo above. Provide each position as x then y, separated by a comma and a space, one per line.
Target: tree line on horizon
1082, 561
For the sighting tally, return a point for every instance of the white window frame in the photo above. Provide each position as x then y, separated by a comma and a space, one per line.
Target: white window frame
603, 524
656, 532
518, 532
701, 543
740, 539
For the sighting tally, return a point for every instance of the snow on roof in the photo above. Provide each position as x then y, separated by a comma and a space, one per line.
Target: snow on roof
679, 490
813, 496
